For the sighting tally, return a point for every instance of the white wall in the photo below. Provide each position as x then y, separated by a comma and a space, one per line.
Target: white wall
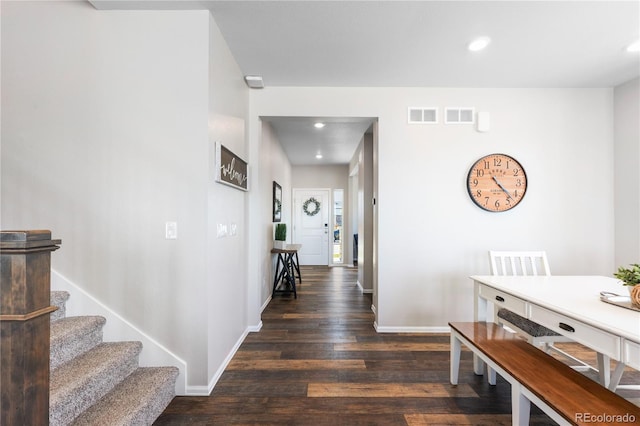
274, 166
226, 261
333, 176
108, 121
627, 172
431, 235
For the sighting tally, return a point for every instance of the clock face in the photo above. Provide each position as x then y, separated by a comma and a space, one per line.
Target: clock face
497, 182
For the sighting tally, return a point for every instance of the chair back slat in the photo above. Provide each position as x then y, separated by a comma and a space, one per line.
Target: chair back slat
519, 263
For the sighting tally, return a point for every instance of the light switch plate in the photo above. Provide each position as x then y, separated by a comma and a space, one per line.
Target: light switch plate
222, 230
171, 231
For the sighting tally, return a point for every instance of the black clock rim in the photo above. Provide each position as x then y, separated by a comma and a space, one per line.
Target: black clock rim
481, 206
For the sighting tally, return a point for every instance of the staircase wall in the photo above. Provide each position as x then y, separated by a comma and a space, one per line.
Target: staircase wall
119, 329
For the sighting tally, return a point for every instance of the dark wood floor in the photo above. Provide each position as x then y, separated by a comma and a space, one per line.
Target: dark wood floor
318, 361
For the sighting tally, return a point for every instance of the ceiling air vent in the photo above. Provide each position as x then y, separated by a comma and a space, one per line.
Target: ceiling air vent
459, 115
422, 115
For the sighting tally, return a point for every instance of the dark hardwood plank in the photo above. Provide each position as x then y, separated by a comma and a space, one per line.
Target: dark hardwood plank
319, 361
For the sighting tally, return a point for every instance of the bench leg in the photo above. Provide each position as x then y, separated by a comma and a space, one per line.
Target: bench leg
478, 365
454, 366
520, 406
491, 375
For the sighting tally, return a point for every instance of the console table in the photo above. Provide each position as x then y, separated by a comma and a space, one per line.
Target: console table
287, 270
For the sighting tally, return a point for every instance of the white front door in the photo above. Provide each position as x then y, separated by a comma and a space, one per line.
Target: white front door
311, 225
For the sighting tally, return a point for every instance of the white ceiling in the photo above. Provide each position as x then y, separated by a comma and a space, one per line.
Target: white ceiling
336, 142
421, 44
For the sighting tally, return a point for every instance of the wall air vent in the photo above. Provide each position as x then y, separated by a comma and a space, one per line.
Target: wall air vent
423, 115
457, 115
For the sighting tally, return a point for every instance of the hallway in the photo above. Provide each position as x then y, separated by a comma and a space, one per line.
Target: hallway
319, 361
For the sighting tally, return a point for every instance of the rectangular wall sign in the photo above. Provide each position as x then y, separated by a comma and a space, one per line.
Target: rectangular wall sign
231, 169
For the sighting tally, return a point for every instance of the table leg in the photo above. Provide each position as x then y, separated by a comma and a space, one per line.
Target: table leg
290, 273
480, 314
616, 376
275, 276
604, 369
284, 275
297, 265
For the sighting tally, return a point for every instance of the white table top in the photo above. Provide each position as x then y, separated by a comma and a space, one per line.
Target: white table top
577, 297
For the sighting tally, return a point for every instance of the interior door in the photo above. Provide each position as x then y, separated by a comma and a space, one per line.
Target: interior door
311, 225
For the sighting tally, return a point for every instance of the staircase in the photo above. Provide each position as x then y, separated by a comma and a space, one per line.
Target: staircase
101, 383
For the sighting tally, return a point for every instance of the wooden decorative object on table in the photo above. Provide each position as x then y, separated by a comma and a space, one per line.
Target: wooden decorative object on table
635, 295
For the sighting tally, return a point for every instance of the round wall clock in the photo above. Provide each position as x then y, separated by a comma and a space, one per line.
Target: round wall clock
497, 182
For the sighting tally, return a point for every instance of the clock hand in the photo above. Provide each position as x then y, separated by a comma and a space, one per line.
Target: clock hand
502, 187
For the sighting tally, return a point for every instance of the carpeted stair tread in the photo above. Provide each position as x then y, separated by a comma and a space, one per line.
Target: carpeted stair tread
79, 383
58, 299
73, 336
97, 383
138, 400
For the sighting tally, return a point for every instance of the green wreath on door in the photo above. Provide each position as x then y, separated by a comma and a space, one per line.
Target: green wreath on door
316, 208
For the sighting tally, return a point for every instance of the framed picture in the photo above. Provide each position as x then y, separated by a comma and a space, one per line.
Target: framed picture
277, 202
230, 169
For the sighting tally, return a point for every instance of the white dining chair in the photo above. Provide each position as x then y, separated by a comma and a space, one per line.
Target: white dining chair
535, 263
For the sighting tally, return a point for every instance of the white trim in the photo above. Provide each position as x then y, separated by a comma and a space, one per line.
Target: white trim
264, 305
206, 391
198, 391
373, 308
117, 328
362, 289
254, 328
380, 329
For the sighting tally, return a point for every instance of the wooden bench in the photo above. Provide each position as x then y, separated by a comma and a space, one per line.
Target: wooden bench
564, 394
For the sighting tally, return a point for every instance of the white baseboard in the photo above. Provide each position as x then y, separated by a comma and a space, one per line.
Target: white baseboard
381, 329
363, 290
254, 328
117, 329
265, 304
206, 390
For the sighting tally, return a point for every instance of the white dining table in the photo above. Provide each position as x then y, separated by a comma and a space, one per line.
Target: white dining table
570, 306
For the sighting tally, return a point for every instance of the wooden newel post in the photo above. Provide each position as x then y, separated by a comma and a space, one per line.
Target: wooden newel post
25, 294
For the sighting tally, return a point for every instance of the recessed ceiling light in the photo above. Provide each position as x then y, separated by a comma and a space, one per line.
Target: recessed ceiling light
634, 47
318, 125
319, 156
479, 44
